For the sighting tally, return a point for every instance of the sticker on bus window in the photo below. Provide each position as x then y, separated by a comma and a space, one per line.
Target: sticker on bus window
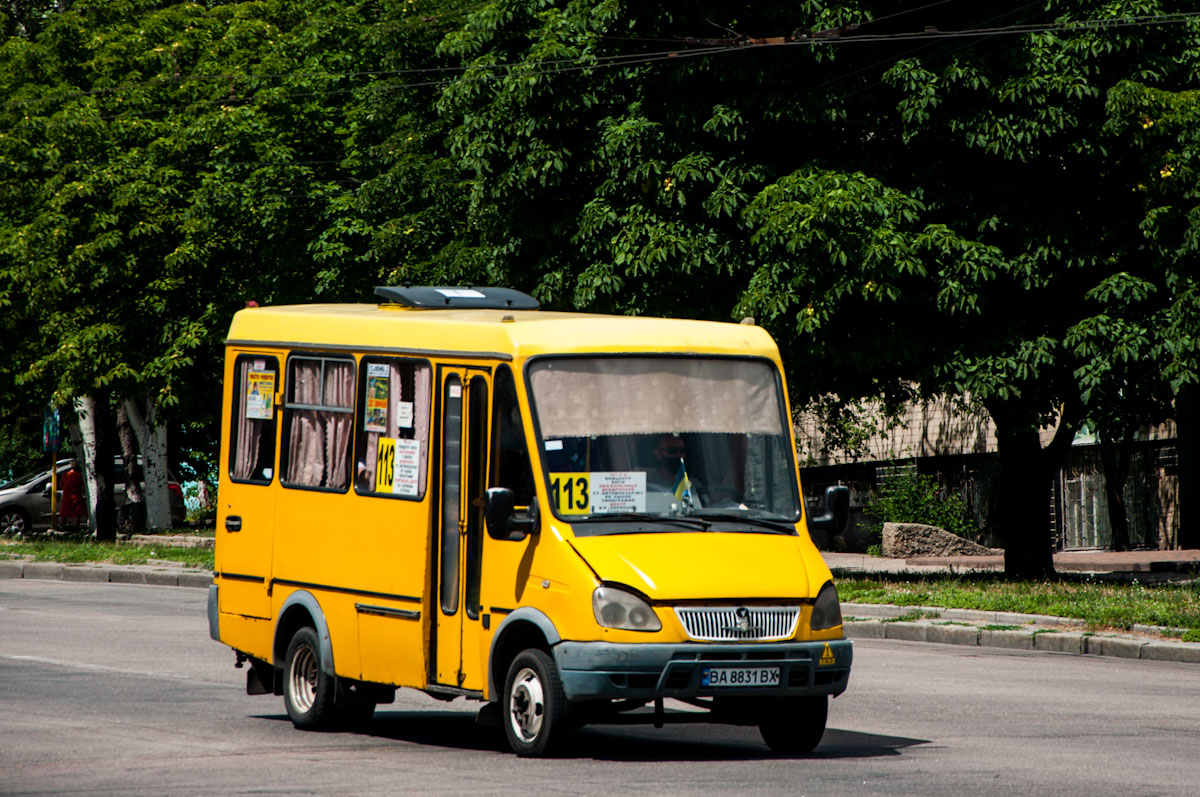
398, 466
598, 492
375, 413
404, 414
260, 394
406, 468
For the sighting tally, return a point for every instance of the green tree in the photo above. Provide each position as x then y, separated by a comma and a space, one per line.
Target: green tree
959, 212
162, 164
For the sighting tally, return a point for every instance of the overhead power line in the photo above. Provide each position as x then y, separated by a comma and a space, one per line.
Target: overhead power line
701, 47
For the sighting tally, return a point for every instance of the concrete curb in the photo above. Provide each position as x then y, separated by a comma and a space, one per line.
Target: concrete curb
169, 576
1040, 632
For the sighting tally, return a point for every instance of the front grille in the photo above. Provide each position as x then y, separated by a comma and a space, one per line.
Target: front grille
738, 623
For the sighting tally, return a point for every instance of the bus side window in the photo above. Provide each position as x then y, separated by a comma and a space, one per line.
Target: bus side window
392, 438
318, 417
510, 465
252, 438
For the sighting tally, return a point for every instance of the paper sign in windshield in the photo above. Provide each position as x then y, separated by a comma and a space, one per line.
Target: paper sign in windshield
598, 492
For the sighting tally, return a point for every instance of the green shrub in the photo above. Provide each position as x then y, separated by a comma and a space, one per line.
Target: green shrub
919, 499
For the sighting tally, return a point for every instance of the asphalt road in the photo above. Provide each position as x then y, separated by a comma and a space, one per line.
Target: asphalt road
117, 689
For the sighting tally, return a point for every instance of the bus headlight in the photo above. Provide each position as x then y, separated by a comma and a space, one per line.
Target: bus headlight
616, 608
827, 610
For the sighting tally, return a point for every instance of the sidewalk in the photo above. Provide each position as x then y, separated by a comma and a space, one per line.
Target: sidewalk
1186, 562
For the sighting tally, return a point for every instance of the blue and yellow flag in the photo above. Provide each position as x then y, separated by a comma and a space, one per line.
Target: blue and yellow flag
683, 485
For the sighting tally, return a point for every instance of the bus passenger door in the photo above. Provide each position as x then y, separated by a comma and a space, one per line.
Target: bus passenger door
463, 440
246, 516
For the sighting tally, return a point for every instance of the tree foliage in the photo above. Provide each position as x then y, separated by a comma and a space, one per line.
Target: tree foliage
944, 198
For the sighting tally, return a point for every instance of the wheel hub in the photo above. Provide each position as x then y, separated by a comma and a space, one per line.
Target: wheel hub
527, 705
304, 679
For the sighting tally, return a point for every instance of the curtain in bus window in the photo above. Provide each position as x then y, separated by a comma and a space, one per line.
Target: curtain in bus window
339, 392
318, 439
249, 431
370, 453
421, 420
306, 459
408, 383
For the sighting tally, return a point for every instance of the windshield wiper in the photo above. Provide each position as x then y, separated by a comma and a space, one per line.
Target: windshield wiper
690, 522
781, 526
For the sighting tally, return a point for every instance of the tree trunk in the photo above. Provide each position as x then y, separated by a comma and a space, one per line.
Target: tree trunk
129, 450
153, 439
105, 510
1116, 458
85, 413
1023, 506
1020, 513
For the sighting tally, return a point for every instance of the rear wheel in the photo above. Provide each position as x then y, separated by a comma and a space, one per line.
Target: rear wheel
796, 725
307, 691
535, 706
14, 522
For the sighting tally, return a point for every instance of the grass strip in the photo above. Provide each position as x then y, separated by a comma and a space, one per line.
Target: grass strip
1099, 604
117, 553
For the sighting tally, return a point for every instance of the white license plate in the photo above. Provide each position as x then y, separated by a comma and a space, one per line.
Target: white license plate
739, 676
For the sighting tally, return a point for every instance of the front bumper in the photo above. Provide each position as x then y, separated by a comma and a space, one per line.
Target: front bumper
604, 670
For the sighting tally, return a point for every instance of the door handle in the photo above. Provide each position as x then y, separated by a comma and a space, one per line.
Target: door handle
233, 523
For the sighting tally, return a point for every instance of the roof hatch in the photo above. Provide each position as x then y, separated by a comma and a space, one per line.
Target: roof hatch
431, 297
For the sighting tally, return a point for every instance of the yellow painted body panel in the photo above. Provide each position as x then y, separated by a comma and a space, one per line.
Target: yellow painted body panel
721, 567
251, 635
341, 542
361, 556
530, 332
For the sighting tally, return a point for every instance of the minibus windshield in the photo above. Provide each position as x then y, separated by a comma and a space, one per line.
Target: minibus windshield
664, 437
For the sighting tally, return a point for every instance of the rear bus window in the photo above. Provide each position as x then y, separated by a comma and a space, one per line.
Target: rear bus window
252, 438
392, 437
318, 417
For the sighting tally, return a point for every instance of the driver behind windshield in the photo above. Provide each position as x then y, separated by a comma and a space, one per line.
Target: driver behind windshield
669, 474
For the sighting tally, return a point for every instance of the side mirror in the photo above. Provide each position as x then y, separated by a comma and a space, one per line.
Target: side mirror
837, 510
499, 515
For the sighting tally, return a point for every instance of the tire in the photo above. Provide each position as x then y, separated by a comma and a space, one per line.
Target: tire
796, 726
307, 691
14, 521
535, 706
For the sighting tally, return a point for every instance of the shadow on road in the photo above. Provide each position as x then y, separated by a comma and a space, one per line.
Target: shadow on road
699, 742
722, 743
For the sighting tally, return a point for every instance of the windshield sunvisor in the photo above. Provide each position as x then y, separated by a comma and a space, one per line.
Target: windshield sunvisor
606, 396
706, 566
663, 434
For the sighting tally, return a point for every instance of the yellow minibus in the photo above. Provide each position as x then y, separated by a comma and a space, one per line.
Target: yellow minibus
572, 518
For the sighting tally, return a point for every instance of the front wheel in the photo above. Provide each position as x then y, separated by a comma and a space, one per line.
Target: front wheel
307, 692
535, 705
796, 725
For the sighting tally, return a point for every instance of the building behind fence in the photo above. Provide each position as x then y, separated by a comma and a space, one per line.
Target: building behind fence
947, 440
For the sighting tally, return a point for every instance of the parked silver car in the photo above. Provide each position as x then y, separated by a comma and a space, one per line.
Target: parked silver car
25, 501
